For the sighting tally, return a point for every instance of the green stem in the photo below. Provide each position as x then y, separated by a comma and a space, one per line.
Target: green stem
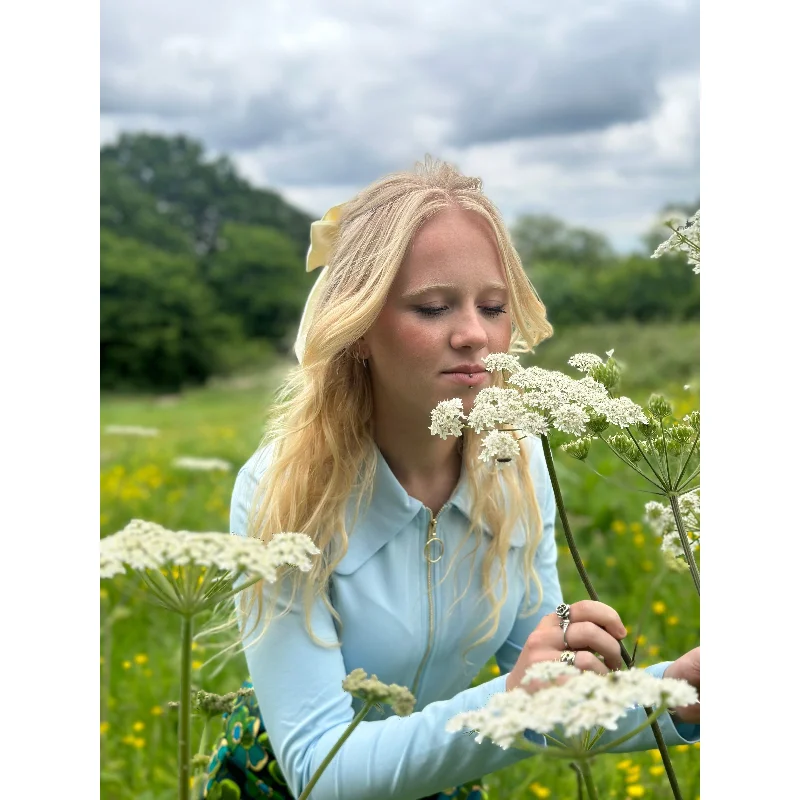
655, 472
579, 775
687, 548
630, 463
666, 454
650, 717
588, 780
682, 488
335, 749
576, 557
688, 458
185, 709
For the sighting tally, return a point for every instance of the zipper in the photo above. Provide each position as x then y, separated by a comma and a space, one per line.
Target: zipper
433, 550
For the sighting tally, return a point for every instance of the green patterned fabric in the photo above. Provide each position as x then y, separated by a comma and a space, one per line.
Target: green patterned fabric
243, 764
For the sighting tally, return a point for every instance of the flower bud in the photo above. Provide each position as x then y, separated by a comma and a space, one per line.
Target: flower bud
597, 423
659, 406
624, 446
577, 448
607, 374
693, 421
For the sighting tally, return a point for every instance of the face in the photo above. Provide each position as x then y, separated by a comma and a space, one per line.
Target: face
446, 310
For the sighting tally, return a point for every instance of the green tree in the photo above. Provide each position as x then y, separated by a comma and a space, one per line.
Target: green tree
257, 275
159, 324
540, 238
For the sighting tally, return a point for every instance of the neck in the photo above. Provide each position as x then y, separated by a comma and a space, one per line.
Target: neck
415, 456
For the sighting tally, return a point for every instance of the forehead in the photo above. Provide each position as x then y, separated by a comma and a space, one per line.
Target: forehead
454, 244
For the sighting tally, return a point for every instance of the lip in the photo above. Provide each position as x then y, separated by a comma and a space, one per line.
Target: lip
466, 378
469, 369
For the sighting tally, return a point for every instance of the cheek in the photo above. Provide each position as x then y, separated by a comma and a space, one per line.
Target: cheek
406, 339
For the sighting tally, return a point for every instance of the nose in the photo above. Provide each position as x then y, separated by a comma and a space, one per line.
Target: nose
469, 331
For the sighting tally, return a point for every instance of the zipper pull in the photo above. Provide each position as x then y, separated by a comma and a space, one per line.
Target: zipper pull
430, 550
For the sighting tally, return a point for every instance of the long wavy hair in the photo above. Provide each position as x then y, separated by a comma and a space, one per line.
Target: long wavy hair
320, 428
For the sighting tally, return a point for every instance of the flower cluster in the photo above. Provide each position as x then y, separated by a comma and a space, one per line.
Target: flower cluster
582, 703
201, 464
539, 399
372, 691
662, 521
685, 239
145, 545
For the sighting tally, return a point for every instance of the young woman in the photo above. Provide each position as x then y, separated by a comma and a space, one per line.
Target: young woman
431, 561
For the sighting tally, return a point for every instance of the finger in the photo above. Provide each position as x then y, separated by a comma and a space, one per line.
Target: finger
584, 661
588, 636
598, 613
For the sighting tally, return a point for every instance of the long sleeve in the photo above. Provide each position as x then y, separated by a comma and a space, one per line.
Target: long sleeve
299, 688
546, 569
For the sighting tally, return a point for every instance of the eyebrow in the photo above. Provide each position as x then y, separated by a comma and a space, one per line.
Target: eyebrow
493, 286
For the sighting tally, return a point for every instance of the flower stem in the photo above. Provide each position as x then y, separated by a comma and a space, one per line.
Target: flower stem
688, 459
335, 749
576, 557
185, 708
687, 549
588, 780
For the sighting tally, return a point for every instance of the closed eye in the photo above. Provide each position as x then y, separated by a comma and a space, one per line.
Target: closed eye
489, 311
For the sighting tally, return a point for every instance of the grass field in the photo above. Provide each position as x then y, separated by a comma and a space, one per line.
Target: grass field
140, 644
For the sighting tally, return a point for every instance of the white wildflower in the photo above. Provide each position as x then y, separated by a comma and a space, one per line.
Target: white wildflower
447, 419
131, 430
610, 352
620, 411
548, 671
583, 362
201, 464
499, 447
502, 361
371, 691
570, 418
662, 521
531, 423
495, 406
685, 239
582, 703
145, 545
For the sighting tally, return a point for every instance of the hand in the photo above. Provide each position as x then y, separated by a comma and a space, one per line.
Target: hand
594, 628
687, 668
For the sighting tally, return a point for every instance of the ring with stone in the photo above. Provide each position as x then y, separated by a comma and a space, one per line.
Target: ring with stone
563, 611
564, 625
568, 658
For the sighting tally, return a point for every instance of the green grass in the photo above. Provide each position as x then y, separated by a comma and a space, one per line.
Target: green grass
225, 421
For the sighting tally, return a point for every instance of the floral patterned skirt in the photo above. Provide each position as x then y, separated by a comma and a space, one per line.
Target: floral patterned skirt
243, 764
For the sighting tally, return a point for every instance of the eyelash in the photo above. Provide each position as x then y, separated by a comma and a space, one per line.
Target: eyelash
492, 311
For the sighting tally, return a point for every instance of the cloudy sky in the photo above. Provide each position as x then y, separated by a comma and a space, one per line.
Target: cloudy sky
586, 110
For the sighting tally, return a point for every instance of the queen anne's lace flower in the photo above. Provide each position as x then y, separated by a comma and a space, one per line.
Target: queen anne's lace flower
685, 239
502, 361
621, 411
447, 419
583, 362
148, 546
495, 406
500, 447
582, 703
662, 521
570, 418
371, 691
202, 464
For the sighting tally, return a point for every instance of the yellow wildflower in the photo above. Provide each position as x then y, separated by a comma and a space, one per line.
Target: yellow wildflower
619, 527
126, 665
197, 664
636, 527
639, 540
656, 770
494, 669
128, 739
539, 790
655, 755
138, 743
673, 620
659, 607
641, 639
103, 728
682, 748
647, 566
103, 593
653, 650
156, 711
138, 727
611, 561
624, 764
637, 790
140, 658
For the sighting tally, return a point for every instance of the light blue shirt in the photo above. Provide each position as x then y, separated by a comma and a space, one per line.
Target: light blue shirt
380, 589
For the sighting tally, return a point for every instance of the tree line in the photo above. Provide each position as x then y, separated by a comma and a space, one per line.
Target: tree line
201, 272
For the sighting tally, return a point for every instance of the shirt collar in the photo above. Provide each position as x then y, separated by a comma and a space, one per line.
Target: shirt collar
390, 510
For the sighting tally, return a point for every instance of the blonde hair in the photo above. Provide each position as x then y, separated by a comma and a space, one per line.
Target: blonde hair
320, 430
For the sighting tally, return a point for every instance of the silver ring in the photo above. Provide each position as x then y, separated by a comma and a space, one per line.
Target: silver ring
564, 625
568, 658
563, 611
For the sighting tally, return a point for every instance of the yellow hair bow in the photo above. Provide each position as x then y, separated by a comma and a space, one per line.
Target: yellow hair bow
323, 234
